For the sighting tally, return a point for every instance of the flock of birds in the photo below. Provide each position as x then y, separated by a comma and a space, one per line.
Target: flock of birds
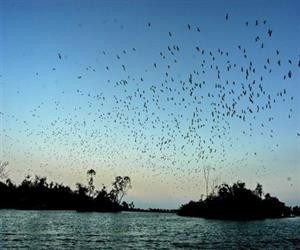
161, 121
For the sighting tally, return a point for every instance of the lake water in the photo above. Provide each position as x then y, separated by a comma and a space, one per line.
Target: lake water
132, 230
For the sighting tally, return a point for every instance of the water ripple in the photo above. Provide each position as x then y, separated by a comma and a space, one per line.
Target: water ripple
71, 230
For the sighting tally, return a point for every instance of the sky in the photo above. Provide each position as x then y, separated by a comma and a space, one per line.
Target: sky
156, 90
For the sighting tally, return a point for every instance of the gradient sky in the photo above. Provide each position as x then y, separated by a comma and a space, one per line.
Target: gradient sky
60, 117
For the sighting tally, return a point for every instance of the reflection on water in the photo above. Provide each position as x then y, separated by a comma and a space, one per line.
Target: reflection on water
131, 230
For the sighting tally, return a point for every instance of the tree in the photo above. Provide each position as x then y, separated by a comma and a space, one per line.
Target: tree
81, 189
268, 196
121, 185
214, 186
3, 165
237, 202
258, 190
102, 194
40, 182
91, 173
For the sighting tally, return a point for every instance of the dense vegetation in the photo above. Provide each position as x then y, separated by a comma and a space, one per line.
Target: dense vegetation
296, 211
37, 193
225, 202
237, 202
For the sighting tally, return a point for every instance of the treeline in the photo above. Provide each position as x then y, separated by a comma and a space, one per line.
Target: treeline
296, 211
238, 202
38, 193
153, 210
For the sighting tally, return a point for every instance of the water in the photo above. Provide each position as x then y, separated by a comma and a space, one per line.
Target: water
132, 230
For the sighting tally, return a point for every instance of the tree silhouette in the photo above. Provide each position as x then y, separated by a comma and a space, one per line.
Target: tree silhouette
81, 189
120, 187
259, 190
214, 185
37, 193
91, 188
236, 202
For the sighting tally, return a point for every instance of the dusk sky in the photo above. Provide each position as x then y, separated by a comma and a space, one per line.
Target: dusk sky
156, 90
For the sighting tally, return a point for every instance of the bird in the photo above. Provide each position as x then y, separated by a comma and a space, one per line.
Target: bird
270, 32
168, 118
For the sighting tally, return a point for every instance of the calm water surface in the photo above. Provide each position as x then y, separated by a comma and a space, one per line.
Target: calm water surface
131, 230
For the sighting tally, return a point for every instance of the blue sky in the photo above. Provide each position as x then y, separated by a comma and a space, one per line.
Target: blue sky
60, 117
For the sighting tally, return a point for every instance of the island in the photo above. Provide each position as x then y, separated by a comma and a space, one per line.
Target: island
37, 194
236, 202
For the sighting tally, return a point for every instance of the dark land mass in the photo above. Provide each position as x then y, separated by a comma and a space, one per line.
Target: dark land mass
236, 202
38, 194
228, 202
